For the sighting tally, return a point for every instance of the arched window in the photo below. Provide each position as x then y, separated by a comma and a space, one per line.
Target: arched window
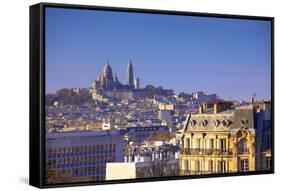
243, 146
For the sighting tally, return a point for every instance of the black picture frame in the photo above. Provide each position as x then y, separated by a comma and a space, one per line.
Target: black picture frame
37, 92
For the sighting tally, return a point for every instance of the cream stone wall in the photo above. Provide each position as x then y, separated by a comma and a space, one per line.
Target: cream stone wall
117, 171
198, 157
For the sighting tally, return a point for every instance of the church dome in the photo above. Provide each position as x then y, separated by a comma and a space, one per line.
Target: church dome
107, 71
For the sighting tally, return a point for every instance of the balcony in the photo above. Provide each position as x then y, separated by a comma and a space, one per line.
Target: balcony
205, 152
243, 151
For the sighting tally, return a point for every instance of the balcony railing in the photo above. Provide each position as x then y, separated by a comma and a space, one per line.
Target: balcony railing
243, 151
198, 172
205, 152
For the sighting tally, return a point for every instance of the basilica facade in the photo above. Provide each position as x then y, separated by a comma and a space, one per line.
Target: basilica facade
108, 86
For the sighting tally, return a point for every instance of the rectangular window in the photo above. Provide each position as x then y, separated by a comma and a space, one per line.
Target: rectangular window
197, 166
268, 142
244, 165
212, 143
223, 145
222, 166
80, 149
268, 163
211, 166
203, 144
187, 143
219, 167
49, 151
85, 149
198, 143
52, 151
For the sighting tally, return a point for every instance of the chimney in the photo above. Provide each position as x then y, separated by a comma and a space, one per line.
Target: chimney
204, 106
200, 108
221, 105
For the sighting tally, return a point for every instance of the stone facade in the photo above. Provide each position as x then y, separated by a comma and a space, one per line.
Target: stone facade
222, 138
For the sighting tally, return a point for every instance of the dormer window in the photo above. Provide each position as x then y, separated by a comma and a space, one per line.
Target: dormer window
225, 123
216, 123
204, 122
244, 122
192, 123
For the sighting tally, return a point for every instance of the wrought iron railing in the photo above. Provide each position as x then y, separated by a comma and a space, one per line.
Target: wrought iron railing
242, 151
198, 172
187, 151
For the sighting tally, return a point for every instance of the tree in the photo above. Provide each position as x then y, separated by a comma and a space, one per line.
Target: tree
55, 176
49, 173
67, 96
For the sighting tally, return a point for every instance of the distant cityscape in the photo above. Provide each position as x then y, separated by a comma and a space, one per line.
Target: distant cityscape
114, 131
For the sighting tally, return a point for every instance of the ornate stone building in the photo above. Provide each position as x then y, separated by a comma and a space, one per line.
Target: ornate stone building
222, 138
108, 86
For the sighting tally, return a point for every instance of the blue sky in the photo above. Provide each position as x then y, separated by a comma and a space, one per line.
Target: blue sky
230, 57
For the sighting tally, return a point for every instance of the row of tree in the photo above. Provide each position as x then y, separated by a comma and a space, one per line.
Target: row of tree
67, 96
